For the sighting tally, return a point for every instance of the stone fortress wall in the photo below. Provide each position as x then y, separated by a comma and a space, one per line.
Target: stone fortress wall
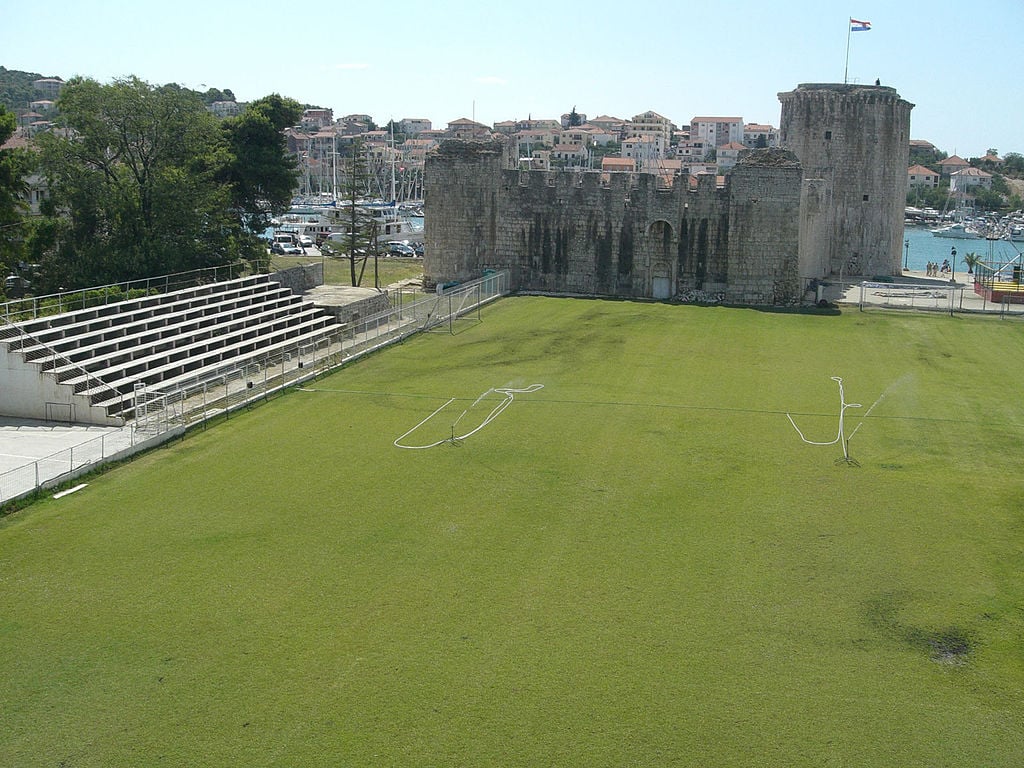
567, 232
832, 201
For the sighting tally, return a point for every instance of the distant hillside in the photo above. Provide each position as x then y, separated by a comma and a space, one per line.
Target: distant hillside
16, 91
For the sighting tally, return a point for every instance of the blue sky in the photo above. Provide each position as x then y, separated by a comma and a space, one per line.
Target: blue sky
508, 60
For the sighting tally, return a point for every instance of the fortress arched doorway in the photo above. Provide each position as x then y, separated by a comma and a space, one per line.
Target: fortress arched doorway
659, 244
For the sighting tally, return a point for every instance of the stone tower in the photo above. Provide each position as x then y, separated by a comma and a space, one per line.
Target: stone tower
853, 142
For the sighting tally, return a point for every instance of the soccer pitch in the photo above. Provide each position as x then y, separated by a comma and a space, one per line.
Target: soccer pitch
620, 551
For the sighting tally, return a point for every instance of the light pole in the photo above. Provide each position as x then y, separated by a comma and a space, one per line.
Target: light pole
952, 265
906, 259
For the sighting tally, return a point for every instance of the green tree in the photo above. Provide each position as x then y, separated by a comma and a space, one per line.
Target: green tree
929, 158
261, 173
574, 118
134, 189
16, 89
14, 166
987, 199
361, 237
216, 94
1013, 165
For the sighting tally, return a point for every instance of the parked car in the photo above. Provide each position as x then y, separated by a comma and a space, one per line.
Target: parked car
398, 248
285, 249
306, 241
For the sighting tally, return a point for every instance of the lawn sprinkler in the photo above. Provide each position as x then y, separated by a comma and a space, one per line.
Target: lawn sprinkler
841, 437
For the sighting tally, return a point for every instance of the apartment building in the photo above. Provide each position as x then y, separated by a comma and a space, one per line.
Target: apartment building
652, 124
716, 131
646, 150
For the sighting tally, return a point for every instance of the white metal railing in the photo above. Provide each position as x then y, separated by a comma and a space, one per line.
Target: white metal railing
32, 307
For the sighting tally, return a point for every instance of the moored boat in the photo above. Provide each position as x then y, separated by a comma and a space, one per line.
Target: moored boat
958, 230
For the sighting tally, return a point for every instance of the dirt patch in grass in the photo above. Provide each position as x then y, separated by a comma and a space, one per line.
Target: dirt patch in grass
952, 645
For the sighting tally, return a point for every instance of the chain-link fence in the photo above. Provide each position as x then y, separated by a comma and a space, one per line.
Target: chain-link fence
951, 298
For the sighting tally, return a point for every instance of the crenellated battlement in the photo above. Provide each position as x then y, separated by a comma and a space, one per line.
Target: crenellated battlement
615, 234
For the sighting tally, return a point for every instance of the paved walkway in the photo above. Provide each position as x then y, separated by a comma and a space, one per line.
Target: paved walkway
965, 299
36, 451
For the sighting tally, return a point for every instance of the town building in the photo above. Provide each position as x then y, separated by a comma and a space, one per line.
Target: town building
919, 176
968, 178
652, 124
570, 155
313, 119
716, 131
646, 150
48, 87
464, 128
952, 164
728, 155
224, 109
756, 136
618, 165
413, 126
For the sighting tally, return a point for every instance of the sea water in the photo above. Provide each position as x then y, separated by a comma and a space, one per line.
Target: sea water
926, 247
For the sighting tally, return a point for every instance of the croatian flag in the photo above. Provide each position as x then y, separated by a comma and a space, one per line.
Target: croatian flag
860, 26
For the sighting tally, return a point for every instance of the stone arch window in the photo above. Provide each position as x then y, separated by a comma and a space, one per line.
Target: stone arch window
660, 235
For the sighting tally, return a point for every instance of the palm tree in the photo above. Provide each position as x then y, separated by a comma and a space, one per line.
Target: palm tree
972, 260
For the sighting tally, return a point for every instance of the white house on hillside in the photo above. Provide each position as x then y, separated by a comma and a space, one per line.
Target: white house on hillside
961, 181
919, 176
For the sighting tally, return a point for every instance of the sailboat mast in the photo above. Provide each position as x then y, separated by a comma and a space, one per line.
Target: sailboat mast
392, 160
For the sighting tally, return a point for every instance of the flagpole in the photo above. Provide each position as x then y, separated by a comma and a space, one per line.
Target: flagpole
846, 69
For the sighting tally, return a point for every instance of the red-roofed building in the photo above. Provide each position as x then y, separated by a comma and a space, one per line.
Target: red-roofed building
962, 180
952, 164
618, 164
464, 128
919, 176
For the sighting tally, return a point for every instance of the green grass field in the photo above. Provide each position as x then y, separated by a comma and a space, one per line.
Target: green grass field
338, 271
640, 564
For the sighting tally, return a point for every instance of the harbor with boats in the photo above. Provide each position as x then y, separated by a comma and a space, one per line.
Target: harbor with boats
966, 224
319, 218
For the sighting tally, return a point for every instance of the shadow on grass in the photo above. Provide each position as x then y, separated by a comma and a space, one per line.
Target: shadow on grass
950, 645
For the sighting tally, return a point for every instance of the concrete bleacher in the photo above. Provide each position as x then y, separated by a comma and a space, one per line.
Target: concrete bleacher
89, 362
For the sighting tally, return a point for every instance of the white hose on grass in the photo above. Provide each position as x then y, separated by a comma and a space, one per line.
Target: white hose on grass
840, 438
509, 393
